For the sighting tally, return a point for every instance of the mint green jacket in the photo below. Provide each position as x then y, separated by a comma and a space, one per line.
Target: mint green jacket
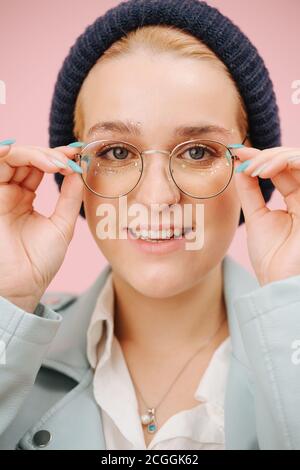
46, 392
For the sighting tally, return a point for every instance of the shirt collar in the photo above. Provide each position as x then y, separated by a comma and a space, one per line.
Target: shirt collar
101, 327
111, 369
209, 390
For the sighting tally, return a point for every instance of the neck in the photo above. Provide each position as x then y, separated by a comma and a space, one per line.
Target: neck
159, 326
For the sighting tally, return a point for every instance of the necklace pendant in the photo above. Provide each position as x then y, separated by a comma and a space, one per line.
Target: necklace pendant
148, 419
152, 427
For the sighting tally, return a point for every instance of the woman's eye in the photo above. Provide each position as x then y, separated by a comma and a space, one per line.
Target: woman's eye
114, 153
198, 153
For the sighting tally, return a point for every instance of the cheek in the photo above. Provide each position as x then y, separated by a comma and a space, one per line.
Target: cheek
222, 216
90, 203
101, 217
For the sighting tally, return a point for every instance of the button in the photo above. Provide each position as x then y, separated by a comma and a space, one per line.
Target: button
41, 438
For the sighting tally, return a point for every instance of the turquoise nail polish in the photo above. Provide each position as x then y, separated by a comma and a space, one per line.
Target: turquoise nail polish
58, 163
236, 146
242, 166
76, 144
7, 142
86, 159
74, 166
228, 156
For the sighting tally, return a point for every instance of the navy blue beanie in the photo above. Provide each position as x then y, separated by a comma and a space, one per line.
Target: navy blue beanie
217, 31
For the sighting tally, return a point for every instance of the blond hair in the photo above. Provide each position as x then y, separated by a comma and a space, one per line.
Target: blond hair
160, 39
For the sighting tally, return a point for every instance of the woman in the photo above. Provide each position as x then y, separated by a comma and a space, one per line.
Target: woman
148, 355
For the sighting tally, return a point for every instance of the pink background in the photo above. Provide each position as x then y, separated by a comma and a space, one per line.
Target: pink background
35, 37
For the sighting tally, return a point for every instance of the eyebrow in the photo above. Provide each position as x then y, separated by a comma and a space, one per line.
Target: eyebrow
131, 128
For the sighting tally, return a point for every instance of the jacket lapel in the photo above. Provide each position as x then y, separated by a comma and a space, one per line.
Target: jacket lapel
236, 281
67, 353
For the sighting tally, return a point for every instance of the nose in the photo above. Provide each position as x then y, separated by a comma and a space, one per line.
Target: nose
156, 185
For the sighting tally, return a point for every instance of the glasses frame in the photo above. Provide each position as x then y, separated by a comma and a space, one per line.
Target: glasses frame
170, 154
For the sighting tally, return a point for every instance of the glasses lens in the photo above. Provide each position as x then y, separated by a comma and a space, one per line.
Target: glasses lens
111, 168
202, 168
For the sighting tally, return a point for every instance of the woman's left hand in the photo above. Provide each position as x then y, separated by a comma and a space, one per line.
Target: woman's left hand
273, 236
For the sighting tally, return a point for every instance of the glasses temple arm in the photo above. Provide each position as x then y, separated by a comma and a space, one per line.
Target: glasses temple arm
246, 136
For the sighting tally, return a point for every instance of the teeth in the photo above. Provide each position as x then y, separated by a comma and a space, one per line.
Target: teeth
155, 235
166, 234
177, 232
187, 230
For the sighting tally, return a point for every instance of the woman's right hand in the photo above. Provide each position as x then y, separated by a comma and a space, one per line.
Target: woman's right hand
32, 246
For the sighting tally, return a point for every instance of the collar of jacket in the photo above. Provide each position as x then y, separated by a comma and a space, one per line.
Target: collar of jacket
67, 353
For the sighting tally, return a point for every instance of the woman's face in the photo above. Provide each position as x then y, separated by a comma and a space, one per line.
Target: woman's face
160, 93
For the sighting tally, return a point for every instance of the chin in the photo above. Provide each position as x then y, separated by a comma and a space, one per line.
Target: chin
157, 292
158, 283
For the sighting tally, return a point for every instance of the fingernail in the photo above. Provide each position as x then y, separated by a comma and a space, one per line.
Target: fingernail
86, 159
228, 155
76, 144
242, 166
259, 169
74, 166
7, 142
235, 146
58, 163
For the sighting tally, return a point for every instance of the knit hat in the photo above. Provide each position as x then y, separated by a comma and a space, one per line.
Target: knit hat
217, 31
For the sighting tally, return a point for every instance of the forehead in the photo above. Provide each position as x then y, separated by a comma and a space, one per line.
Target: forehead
158, 93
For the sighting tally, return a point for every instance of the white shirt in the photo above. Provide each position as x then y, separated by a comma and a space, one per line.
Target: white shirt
201, 427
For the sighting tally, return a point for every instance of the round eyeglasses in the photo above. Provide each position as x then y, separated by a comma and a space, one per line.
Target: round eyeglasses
200, 168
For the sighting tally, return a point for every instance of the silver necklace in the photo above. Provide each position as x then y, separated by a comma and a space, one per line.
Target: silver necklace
149, 418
